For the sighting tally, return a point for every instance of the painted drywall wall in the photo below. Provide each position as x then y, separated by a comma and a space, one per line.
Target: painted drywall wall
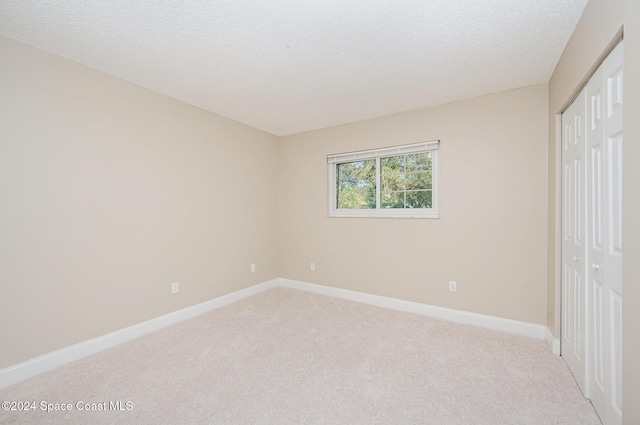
597, 30
491, 234
110, 193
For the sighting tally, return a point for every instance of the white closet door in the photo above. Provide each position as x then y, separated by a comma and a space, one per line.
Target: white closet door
604, 202
573, 239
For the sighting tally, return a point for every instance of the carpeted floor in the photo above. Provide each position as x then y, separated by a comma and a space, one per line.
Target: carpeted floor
292, 357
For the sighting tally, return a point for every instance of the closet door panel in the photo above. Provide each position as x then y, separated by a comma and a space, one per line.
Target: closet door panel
573, 239
604, 140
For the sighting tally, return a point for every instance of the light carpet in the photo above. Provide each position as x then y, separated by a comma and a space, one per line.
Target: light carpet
291, 357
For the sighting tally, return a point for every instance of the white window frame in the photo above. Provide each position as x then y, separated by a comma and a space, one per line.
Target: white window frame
341, 158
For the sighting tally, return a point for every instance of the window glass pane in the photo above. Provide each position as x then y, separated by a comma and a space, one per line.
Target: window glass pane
419, 180
356, 185
418, 162
393, 180
419, 199
392, 200
406, 181
392, 163
392, 173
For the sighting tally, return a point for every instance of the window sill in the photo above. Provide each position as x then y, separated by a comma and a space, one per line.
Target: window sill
383, 216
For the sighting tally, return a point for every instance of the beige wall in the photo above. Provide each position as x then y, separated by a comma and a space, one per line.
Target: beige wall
491, 234
110, 192
590, 42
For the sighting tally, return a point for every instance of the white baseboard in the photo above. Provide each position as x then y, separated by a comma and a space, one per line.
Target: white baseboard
531, 330
33, 367
552, 342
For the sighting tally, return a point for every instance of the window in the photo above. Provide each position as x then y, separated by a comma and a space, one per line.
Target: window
399, 181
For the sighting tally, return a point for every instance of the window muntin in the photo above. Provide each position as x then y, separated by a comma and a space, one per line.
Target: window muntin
390, 182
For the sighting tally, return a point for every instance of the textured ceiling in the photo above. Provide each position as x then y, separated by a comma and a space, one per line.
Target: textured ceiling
287, 66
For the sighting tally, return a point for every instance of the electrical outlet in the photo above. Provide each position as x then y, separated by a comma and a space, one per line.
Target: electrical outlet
312, 267
253, 268
452, 285
175, 287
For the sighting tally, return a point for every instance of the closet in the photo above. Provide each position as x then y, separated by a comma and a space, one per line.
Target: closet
592, 142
